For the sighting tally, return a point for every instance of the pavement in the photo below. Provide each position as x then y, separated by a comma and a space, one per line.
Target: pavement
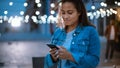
30, 54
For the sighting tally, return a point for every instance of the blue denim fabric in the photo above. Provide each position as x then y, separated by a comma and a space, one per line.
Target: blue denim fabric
85, 48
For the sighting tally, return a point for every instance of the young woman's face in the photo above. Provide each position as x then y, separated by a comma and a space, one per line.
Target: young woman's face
69, 14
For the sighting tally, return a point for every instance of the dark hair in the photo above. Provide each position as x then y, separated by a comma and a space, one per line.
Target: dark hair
79, 5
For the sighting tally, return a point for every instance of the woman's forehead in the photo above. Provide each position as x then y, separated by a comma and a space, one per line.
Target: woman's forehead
68, 5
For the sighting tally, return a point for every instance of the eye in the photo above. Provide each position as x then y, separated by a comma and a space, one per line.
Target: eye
70, 12
63, 12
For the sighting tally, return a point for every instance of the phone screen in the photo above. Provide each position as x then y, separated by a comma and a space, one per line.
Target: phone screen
52, 46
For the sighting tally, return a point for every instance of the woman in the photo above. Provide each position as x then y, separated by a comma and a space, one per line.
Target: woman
112, 37
78, 41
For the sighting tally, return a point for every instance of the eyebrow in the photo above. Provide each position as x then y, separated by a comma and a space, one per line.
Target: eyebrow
68, 10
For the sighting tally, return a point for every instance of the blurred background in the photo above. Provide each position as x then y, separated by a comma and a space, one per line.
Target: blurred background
27, 25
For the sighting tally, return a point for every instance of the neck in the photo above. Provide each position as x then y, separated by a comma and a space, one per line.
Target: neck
70, 28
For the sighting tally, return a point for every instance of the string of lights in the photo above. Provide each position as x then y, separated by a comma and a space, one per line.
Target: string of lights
97, 13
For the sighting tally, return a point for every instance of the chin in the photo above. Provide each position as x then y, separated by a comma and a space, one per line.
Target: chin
67, 24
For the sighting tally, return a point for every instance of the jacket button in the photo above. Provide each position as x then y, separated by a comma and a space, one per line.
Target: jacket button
73, 42
83, 43
74, 34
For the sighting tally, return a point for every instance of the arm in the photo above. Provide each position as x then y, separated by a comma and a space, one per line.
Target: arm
106, 31
91, 58
48, 61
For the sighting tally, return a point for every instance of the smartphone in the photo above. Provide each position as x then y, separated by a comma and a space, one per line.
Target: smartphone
52, 46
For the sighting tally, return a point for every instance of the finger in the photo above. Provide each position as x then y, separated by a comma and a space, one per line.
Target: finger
53, 49
56, 52
60, 53
59, 47
57, 56
60, 56
52, 52
54, 55
62, 47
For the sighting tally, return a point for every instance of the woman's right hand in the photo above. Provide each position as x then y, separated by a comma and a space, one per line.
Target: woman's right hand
54, 54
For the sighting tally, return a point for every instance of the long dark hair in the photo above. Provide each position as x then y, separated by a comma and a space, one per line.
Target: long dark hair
79, 5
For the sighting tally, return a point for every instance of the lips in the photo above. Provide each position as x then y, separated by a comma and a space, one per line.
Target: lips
66, 20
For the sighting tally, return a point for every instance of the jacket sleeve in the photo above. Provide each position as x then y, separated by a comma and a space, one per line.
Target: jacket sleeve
48, 63
92, 57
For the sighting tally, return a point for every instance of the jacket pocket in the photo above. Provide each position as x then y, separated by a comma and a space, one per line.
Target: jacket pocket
82, 45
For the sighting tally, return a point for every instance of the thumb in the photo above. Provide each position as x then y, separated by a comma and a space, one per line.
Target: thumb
61, 47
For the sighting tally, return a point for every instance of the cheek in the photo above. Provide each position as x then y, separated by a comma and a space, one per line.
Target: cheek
74, 17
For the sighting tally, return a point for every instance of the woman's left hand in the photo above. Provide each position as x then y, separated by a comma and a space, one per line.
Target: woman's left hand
64, 54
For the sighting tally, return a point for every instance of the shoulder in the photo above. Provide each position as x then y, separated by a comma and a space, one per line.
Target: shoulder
57, 30
90, 28
55, 34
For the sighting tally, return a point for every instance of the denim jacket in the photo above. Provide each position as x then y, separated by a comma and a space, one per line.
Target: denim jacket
84, 48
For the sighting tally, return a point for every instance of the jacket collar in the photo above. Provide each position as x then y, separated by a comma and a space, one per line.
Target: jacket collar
78, 29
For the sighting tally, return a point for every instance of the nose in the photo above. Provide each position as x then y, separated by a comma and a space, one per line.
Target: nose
65, 16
